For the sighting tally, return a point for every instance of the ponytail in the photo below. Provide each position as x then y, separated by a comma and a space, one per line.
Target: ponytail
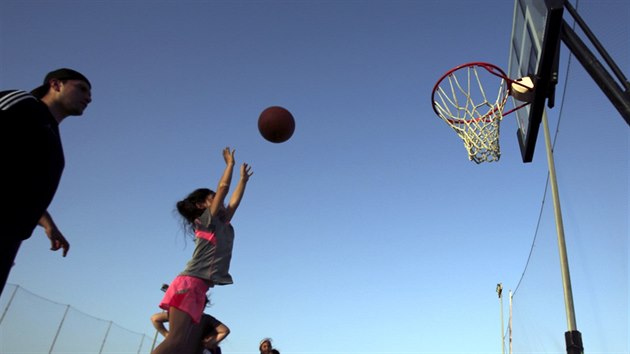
188, 208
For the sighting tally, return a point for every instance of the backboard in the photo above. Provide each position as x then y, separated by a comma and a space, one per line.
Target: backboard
534, 52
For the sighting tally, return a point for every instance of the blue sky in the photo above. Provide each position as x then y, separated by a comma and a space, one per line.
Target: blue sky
369, 231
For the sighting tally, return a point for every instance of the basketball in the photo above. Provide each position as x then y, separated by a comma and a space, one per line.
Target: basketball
276, 124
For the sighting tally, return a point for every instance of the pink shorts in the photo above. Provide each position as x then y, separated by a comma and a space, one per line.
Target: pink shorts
187, 294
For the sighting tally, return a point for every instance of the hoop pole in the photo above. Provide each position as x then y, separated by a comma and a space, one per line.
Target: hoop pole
572, 336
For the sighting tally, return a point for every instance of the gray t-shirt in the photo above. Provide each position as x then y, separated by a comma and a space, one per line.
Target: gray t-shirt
211, 258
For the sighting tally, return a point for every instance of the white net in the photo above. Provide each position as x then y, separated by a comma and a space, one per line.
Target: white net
460, 100
30, 323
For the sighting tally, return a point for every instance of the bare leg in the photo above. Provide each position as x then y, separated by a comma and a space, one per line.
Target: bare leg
176, 342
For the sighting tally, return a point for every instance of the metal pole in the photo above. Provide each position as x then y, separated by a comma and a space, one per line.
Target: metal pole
499, 292
619, 97
141, 343
52, 346
154, 340
105, 338
598, 46
572, 346
510, 324
4, 313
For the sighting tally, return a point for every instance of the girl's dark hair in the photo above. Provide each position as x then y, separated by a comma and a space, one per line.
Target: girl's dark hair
189, 210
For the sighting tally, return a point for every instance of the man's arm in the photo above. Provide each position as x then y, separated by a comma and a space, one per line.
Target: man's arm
218, 332
158, 321
57, 240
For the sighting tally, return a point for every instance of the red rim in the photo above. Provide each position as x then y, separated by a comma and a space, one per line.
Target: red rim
491, 68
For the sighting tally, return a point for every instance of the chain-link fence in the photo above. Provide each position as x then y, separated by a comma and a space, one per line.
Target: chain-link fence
30, 324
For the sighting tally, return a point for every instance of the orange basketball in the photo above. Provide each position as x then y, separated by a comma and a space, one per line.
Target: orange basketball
276, 124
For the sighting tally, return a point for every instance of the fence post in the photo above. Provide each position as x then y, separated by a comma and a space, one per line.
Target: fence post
141, 343
9, 303
105, 338
52, 346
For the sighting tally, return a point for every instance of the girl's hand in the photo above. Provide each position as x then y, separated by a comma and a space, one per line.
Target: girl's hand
228, 156
246, 172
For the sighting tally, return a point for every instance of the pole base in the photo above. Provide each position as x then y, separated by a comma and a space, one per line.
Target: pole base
573, 340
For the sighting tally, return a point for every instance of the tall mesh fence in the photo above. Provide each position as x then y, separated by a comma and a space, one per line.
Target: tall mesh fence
595, 209
30, 323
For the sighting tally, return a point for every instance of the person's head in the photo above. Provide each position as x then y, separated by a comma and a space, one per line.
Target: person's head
275, 351
191, 207
66, 92
265, 346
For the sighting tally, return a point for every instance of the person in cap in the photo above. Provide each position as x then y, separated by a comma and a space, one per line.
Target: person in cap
265, 346
33, 158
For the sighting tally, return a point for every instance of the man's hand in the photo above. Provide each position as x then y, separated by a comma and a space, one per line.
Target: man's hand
57, 241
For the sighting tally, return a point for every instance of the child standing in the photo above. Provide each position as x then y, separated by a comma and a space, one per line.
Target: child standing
205, 215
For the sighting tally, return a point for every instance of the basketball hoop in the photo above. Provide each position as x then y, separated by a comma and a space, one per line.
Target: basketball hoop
460, 100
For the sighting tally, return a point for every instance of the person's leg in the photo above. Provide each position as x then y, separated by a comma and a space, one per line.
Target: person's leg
8, 250
179, 326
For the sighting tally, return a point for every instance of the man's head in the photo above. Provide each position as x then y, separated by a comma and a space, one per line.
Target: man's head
61, 75
67, 92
